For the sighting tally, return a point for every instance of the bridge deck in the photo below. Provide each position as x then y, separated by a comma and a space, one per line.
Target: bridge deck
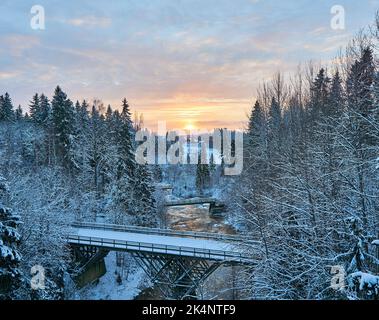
207, 247
174, 203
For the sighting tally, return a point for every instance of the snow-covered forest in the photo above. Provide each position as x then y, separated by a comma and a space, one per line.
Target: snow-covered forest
308, 192
64, 162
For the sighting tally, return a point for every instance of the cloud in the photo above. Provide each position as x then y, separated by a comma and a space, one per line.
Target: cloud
8, 75
17, 44
89, 21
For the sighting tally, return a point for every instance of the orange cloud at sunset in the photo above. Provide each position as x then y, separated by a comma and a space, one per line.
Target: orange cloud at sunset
185, 112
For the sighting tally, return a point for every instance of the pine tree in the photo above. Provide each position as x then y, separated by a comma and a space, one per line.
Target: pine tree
319, 97
144, 192
125, 182
360, 99
96, 149
10, 258
336, 97
63, 125
202, 172
6, 108
257, 127
109, 113
256, 142
125, 142
81, 142
1, 107
45, 111
133, 188
81, 117
328, 137
253, 181
274, 120
19, 113
358, 129
274, 124
35, 109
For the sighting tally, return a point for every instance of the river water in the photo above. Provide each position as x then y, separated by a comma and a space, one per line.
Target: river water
196, 218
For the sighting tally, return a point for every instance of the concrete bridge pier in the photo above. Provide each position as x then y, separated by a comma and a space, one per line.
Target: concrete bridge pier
90, 264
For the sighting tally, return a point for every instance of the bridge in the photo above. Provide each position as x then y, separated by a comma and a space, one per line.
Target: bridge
188, 202
164, 187
215, 206
176, 261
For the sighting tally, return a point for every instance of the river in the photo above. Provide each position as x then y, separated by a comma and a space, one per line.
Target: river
196, 218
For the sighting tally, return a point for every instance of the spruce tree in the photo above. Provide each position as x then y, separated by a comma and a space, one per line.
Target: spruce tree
144, 192
125, 142
109, 113
10, 258
63, 124
19, 113
45, 111
254, 176
81, 117
6, 108
360, 99
1, 107
256, 132
202, 173
319, 97
274, 125
35, 109
96, 148
81, 144
359, 126
336, 97
124, 189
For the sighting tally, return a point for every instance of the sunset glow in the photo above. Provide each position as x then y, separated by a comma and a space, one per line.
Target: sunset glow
190, 127
173, 61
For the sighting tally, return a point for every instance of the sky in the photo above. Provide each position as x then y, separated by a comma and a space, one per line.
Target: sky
192, 63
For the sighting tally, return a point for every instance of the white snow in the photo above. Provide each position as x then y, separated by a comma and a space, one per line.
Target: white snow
153, 239
108, 289
5, 252
375, 243
366, 280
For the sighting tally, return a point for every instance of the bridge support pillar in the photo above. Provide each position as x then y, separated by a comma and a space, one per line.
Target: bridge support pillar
90, 264
177, 277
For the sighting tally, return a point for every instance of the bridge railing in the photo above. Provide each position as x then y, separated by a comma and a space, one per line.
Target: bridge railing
210, 254
165, 232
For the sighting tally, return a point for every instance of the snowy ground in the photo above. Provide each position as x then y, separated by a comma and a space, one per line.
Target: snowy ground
109, 289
